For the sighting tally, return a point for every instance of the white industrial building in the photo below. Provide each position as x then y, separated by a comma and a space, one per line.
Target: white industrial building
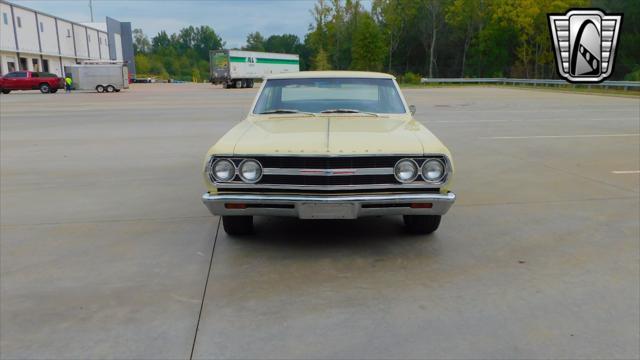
35, 41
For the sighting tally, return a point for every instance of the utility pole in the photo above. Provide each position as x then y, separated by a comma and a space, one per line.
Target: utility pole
91, 8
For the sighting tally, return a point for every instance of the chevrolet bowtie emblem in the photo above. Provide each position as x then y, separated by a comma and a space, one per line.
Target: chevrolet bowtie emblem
585, 44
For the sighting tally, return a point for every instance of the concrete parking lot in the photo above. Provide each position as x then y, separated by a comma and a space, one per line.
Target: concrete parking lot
107, 252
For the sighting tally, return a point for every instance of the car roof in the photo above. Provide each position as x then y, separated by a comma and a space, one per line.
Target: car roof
332, 74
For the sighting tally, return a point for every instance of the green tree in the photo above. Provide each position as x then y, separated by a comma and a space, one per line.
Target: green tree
393, 17
466, 18
160, 41
141, 43
182, 55
205, 40
368, 45
285, 43
255, 42
143, 63
321, 61
431, 13
317, 38
628, 56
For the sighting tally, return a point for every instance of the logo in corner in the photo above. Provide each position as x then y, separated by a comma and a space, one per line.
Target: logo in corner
585, 44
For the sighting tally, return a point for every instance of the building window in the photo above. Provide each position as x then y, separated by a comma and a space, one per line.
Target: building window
11, 66
45, 65
41, 27
5, 18
68, 32
19, 21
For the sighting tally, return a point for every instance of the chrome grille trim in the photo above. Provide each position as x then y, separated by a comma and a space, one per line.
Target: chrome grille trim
415, 185
328, 172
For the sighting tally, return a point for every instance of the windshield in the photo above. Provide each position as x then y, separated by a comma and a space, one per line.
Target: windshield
331, 95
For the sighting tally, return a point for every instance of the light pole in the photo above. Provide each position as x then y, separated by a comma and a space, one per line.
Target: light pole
91, 8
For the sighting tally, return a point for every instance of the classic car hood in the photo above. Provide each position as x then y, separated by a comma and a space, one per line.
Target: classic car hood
334, 135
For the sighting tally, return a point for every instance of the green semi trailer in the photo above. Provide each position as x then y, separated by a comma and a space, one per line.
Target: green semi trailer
239, 68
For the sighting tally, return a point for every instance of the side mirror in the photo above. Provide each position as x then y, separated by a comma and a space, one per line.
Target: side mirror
412, 109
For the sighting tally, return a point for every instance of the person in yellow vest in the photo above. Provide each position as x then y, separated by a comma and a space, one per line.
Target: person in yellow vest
68, 81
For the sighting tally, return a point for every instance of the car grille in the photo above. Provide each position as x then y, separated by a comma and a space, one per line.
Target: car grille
308, 173
329, 180
297, 162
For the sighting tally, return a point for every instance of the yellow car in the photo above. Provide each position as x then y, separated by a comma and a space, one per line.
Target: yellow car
329, 145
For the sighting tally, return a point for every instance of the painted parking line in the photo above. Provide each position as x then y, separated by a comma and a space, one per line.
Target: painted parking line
558, 136
625, 172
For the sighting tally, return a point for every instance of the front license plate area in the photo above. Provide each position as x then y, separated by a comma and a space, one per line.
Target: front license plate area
327, 211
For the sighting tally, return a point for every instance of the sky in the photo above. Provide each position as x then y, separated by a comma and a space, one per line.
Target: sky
233, 20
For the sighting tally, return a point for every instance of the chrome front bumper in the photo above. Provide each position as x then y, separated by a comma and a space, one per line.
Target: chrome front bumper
328, 207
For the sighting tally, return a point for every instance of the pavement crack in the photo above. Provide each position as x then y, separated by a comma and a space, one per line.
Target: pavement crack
204, 292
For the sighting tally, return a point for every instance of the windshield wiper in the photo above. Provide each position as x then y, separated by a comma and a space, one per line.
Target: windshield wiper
286, 111
347, 111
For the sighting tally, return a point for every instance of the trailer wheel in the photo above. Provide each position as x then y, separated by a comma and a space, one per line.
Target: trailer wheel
100, 88
110, 88
239, 84
250, 83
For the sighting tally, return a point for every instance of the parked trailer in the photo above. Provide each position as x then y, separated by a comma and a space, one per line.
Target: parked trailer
99, 77
239, 69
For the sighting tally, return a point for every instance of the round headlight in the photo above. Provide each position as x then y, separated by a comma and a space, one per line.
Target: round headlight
406, 170
250, 171
433, 170
223, 170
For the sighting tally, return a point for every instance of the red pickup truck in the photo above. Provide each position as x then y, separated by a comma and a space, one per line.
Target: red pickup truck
30, 80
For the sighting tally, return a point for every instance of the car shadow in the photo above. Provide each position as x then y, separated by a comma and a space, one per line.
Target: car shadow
352, 235
299, 257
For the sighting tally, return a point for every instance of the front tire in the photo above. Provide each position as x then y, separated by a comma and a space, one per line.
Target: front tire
44, 88
421, 224
238, 225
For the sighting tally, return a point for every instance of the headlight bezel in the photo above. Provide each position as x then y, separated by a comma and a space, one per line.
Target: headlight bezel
442, 176
212, 170
415, 167
245, 179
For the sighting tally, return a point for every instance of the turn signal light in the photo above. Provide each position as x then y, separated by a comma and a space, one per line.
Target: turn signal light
235, 206
421, 205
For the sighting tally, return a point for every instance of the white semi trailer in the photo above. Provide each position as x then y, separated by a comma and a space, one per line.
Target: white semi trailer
239, 68
99, 77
